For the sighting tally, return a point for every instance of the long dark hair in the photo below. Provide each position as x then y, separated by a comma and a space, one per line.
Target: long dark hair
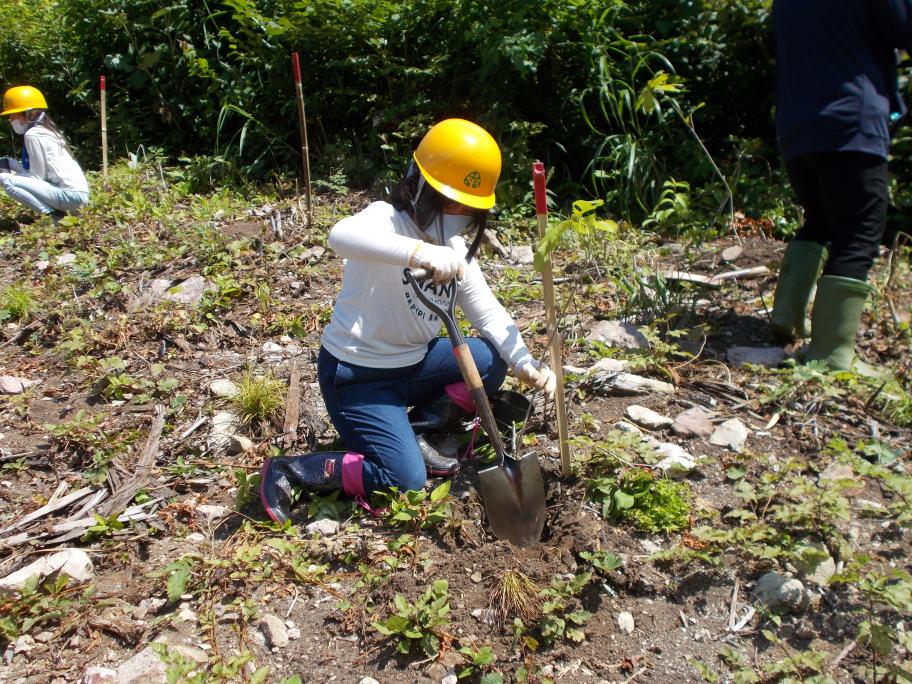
34, 116
425, 209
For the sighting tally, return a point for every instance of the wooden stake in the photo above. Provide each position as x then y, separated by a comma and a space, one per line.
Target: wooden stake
104, 128
292, 407
541, 211
302, 120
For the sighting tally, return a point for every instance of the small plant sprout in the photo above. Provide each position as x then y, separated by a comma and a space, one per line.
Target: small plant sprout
420, 624
517, 595
259, 399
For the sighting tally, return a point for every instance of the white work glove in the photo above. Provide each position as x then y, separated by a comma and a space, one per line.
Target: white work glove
443, 262
537, 375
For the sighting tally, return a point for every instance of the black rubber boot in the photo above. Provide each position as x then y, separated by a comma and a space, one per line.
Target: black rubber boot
440, 415
436, 463
280, 477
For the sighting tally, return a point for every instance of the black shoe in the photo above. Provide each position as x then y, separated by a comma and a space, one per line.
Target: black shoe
436, 463
440, 414
280, 477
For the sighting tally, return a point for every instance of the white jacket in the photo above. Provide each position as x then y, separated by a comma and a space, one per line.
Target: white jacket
378, 321
50, 161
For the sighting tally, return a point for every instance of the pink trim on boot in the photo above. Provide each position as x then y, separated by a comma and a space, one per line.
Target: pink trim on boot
459, 394
352, 479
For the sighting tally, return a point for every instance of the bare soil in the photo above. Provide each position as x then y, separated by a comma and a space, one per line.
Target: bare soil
681, 611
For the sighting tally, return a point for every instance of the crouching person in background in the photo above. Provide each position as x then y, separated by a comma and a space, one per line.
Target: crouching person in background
47, 179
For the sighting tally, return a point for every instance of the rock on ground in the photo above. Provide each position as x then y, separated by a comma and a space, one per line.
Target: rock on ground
677, 462
99, 675
732, 253
146, 667
75, 563
780, 593
628, 384
327, 527
625, 622
618, 335
732, 434
815, 564
647, 418
520, 254
274, 630
694, 422
223, 388
10, 384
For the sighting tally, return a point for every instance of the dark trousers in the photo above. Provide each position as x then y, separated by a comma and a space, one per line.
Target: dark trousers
844, 196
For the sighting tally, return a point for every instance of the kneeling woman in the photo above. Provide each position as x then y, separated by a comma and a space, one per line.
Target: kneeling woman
47, 179
381, 352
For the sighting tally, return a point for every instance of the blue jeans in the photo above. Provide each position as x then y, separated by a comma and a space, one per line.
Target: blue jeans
40, 195
369, 406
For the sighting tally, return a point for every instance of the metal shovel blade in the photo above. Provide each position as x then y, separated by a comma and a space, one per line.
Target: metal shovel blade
514, 499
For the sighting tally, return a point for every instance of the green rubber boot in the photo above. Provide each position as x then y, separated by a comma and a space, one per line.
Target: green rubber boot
835, 318
800, 267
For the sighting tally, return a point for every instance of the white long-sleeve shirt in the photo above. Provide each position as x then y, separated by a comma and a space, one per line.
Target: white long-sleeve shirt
50, 160
378, 321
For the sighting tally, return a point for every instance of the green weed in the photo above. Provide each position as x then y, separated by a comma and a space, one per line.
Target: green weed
419, 509
86, 438
562, 614
649, 503
42, 602
419, 625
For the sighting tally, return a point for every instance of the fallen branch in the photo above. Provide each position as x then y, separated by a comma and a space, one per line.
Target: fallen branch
716, 280
125, 494
48, 508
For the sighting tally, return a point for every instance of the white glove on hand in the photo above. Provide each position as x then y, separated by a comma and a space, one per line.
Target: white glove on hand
537, 375
443, 262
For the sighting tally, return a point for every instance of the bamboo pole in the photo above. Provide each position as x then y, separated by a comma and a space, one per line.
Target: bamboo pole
541, 211
302, 120
104, 127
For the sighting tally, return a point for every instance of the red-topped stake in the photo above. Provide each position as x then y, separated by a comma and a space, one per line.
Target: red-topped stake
554, 345
103, 88
302, 120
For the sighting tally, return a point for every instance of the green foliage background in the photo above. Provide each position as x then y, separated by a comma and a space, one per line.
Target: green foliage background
559, 80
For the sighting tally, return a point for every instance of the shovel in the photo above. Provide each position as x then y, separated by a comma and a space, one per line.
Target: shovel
513, 489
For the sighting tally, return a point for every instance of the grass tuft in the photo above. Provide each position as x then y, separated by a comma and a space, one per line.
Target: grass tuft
259, 398
517, 595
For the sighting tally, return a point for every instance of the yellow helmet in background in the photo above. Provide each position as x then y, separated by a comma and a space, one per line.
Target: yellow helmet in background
461, 161
22, 98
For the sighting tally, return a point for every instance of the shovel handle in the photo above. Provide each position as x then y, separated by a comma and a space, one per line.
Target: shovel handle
482, 404
464, 359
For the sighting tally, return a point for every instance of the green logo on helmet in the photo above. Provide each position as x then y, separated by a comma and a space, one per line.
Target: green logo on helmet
472, 180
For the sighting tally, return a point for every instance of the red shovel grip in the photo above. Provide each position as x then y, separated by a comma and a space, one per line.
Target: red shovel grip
102, 84
538, 181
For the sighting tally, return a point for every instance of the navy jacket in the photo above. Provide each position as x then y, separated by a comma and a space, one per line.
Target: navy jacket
836, 83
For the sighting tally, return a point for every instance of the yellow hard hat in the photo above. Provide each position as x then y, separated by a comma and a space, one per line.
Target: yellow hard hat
461, 161
22, 98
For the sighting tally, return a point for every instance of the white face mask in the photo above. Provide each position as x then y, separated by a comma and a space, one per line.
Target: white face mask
454, 224
20, 126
